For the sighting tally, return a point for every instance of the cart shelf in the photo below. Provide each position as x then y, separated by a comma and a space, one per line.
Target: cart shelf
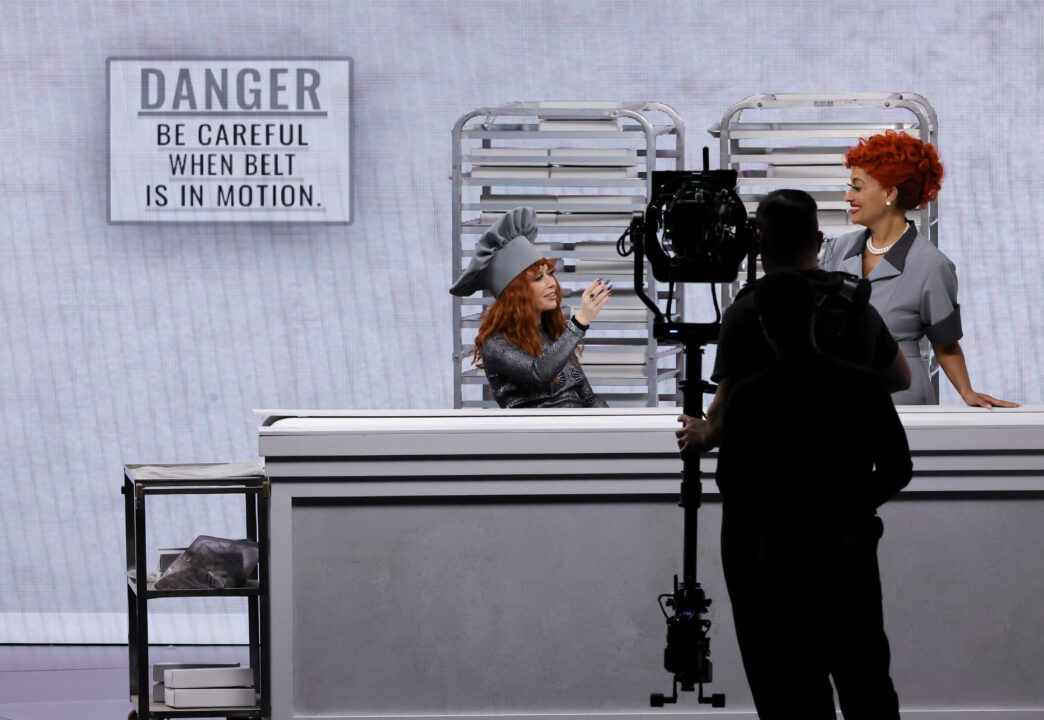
253, 587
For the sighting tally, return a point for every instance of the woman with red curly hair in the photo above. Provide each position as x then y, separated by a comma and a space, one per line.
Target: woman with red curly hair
913, 285
525, 345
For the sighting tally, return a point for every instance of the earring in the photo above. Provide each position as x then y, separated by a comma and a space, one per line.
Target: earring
888, 203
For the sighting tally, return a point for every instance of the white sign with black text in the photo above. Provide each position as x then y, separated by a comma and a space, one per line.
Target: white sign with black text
229, 140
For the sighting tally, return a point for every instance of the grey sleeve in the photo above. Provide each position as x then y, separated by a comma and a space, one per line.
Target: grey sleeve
590, 398
940, 312
500, 356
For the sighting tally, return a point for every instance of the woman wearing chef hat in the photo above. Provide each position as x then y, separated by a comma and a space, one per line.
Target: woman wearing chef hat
529, 351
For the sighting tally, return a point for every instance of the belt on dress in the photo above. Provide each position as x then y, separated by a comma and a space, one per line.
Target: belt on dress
912, 348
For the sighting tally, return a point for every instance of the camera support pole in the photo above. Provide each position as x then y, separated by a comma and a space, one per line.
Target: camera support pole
687, 655
695, 229
692, 486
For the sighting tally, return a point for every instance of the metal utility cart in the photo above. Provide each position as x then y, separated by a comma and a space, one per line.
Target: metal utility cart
141, 481
585, 167
791, 140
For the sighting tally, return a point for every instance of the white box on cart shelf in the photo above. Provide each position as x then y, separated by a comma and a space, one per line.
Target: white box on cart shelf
160, 668
210, 697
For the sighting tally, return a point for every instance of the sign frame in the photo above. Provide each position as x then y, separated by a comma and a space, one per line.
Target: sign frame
228, 58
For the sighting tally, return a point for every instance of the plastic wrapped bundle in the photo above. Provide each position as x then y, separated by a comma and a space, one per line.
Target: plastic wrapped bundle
211, 562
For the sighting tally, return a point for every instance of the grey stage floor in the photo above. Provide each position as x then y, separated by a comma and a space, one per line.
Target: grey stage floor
82, 682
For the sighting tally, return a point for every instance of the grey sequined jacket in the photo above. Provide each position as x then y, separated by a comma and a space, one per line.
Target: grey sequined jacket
554, 379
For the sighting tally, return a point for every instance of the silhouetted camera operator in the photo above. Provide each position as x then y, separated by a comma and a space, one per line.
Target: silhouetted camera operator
845, 326
809, 449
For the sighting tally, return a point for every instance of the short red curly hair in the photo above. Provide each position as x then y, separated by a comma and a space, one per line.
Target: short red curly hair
512, 314
898, 160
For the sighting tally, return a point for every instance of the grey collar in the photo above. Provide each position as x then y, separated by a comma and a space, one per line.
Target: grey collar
896, 255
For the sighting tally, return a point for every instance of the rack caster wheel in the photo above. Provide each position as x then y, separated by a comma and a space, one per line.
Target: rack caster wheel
133, 715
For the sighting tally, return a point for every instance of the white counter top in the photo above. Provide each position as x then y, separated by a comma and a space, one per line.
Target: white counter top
954, 448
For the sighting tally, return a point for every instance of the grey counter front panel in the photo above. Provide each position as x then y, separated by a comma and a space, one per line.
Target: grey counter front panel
518, 575
482, 607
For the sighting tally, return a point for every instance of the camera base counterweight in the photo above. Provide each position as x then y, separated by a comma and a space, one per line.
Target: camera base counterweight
716, 700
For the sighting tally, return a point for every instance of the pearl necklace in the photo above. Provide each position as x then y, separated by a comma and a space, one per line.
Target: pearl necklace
881, 251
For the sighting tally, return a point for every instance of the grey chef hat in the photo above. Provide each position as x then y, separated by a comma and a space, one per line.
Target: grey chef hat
505, 250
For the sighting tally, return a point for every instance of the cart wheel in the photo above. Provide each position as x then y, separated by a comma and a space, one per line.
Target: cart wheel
133, 715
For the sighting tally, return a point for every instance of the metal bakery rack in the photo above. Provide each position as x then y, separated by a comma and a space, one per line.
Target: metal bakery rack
585, 167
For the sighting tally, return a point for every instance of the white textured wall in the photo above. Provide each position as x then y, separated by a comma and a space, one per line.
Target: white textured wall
152, 343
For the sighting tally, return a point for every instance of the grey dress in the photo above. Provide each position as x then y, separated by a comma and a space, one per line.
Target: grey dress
552, 379
914, 288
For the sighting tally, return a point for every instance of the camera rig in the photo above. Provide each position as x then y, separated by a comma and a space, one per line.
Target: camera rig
694, 230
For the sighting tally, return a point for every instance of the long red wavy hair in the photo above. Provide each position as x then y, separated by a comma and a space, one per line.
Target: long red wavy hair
898, 160
512, 314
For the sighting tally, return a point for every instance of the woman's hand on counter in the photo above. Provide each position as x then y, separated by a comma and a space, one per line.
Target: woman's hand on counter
976, 399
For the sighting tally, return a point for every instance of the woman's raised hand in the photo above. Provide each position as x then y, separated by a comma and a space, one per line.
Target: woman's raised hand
595, 296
